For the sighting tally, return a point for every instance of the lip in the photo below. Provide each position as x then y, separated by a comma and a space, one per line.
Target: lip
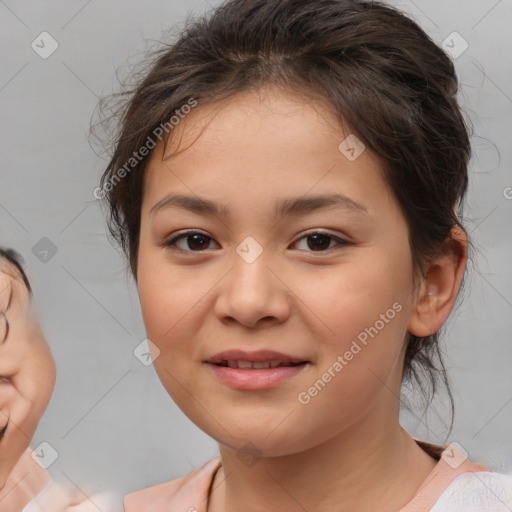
255, 357
254, 379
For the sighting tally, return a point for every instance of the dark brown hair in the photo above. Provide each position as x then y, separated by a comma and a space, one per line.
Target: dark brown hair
375, 67
16, 260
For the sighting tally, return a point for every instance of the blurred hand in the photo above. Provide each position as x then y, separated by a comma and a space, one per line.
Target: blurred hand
23, 483
62, 498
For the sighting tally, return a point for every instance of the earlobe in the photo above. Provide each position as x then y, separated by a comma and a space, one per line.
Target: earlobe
437, 294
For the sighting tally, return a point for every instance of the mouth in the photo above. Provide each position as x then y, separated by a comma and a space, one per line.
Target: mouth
246, 359
256, 365
255, 370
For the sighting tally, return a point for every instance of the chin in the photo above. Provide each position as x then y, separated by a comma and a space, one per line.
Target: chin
256, 439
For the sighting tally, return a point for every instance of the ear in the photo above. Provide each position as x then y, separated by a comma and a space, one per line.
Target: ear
438, 291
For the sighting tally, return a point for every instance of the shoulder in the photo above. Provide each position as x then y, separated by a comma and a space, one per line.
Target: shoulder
188, 492
477, 492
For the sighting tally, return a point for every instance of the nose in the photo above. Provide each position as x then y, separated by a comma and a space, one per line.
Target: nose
253, 293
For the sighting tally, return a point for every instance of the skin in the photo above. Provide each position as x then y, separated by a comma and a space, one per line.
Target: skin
345, 450
28, 374
27, 379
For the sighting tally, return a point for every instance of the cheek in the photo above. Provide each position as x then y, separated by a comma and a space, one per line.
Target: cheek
38, 372
354, 297
363, 307
169, 297
173, 301
46, 376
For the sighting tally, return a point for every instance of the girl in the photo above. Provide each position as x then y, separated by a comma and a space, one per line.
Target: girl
286, 185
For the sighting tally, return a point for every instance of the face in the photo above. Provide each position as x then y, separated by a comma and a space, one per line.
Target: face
321, 288
27, 370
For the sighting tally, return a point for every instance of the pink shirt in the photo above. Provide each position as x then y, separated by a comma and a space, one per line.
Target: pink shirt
190, 492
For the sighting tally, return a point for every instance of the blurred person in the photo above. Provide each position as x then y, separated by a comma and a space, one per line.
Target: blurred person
27, 380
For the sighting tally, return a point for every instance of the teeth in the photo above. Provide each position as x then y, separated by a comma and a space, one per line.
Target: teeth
259, 366
262, 365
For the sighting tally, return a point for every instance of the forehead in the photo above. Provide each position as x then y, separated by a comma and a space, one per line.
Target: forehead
266, 142
255, 117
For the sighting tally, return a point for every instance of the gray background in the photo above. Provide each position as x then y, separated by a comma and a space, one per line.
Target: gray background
110, 420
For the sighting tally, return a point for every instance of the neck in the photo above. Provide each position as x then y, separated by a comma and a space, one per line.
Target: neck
364, 467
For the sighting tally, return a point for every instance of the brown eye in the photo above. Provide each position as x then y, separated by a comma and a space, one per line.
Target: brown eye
194, 241
319, 241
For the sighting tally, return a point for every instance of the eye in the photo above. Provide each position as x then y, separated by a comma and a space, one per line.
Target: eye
320, 241
194, 241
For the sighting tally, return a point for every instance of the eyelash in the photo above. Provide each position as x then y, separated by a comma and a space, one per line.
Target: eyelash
171, 243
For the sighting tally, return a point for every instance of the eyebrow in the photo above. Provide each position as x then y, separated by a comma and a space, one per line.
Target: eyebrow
292, 205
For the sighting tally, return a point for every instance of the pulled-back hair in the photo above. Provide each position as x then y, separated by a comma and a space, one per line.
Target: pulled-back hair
377, 70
